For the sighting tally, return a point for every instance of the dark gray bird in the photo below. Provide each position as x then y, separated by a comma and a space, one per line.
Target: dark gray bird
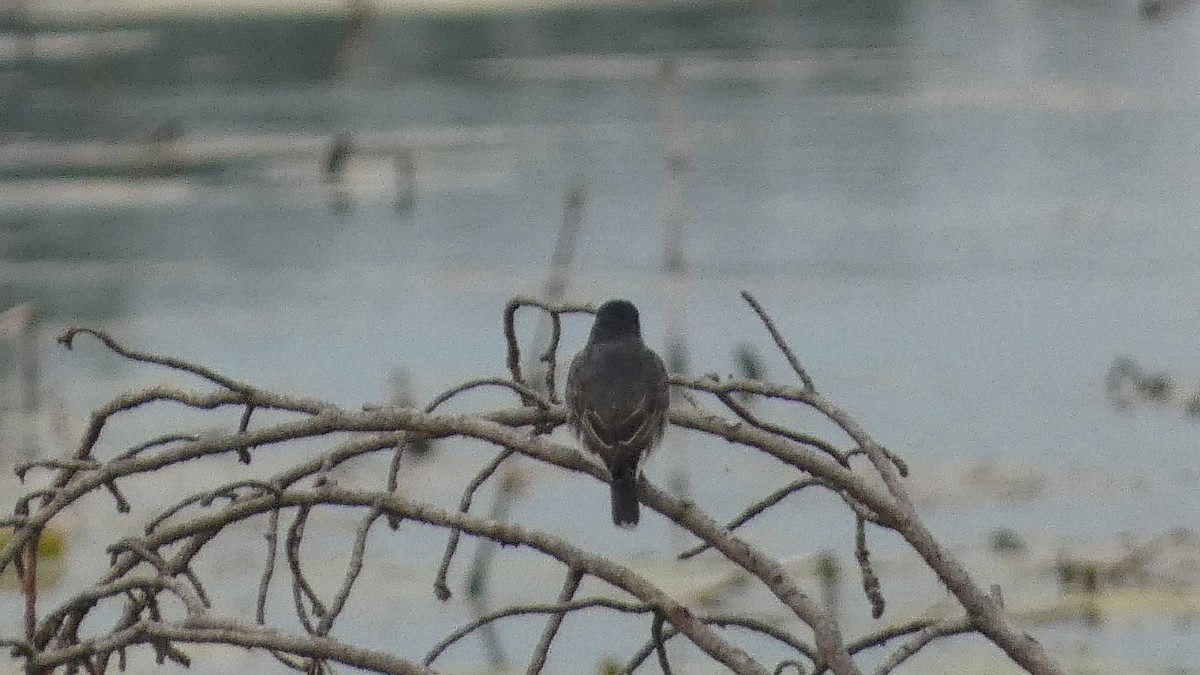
618, 397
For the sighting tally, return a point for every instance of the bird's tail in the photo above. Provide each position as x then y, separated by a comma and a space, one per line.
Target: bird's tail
624, 500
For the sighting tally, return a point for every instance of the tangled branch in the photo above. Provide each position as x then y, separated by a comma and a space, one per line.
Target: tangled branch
155, 579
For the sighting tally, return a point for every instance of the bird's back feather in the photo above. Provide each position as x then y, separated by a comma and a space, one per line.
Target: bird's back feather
618, 397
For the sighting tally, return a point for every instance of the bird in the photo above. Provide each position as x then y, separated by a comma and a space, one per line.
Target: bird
617, 399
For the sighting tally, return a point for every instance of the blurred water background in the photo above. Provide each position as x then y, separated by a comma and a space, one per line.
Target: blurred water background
959, 213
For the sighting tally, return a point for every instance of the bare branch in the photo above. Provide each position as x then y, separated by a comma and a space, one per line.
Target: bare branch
67, 339
156, 442
780, 342
651, 647
660, 645
264, 584
548, 357
352, 572
543, 646
440, 588
870, 582
161, 601
745, 413
76, 464
724, 391
528, 396
510, 330
513, 535
234, 633
527, 609
302, 591
922, 638
753, 511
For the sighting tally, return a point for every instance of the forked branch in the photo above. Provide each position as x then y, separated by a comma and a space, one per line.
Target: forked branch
155, 582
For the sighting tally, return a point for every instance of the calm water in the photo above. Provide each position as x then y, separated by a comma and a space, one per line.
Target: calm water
960, 215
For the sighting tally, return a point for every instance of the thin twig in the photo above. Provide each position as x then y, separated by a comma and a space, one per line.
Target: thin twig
650, 647
21, 508
513, 360
885, 635
922, 638
779, 430
549, 357
762, 627
480, 574
660, 645
743, 622
724, 390
235, 633
264, 582
780, 342
76, 464
352, 571
901, 465
870, 582
122, 503
197, 586
243, 425
753, 511
228, 491
440, 588
154, 443
528, 396
528, 609
301, 590
393, 477
68, 337
514, 348
29, 583
570, 585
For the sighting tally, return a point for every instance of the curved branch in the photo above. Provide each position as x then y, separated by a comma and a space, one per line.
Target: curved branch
513, 360
753, 511
67, 339
779, 341
618, 575
570, 586
527, 609
919, 640
528, 396
440, 588
235, 633
759, 564
175, 537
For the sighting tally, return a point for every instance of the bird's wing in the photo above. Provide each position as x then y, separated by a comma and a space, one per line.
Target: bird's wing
627, 425
627, 419
572, 392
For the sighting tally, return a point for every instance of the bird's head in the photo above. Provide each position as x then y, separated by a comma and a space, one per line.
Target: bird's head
616, 319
